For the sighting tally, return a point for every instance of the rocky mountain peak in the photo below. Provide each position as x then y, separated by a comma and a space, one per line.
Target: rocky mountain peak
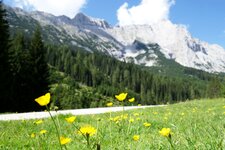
82, 20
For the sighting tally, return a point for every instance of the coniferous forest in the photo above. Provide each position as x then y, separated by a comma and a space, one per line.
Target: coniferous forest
80, 79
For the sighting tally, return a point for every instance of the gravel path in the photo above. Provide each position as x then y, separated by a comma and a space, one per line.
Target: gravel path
38, 115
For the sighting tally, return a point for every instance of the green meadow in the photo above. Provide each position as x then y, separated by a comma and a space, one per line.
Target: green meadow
193, 125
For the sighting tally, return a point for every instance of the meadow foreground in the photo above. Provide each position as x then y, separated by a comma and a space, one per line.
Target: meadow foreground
198, 124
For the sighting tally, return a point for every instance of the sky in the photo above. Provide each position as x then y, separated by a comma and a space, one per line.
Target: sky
205, 19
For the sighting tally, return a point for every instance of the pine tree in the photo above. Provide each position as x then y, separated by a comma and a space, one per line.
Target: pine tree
5, 88
21, 71
214, 88
40, 73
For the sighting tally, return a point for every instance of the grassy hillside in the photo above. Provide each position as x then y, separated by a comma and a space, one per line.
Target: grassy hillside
197, 124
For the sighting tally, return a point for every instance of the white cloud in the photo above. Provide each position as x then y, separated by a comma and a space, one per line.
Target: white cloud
147, 12
57, 7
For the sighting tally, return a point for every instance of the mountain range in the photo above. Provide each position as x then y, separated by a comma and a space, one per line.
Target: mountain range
146, 45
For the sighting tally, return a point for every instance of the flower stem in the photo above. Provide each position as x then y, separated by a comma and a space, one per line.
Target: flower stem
110, 126
88, 140
57, 131
171, 143
80, 131
123, 126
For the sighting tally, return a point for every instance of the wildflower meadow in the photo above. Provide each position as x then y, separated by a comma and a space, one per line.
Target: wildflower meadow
197, 124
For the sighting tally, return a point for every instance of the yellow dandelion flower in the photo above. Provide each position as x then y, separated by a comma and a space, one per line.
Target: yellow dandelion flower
136, 137
109, 104
125, 116
136, 114
155, 113
223, 106
131, 100
32, 135
146, 124
87, 130
38, 122
70, 119
64, 140
43, 131
43, 100
138, 119
131, 120
121, 97
165, 132
117, 118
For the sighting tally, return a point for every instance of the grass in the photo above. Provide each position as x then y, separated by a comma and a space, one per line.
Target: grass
198, 124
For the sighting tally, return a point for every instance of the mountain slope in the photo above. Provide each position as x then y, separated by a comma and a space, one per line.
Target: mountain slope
123, 43
176, 43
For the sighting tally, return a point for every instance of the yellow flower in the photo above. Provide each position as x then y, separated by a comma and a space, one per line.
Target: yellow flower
32, 135
70, 119
223, 106
136, 137
139, 104
155, 113
38, 122
136, 114
131, 100
165, 132
43, 131
43, 100
146, 124
121, 96
117, 118
109, 104
125, 116
138, 118
87, 130
131, 120
64, 140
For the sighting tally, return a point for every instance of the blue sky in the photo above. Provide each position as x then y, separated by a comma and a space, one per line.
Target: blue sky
205, 19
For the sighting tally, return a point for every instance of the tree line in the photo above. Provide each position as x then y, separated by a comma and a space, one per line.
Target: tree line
109, 76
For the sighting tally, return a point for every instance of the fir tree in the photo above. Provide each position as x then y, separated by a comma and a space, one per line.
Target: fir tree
40, 71
21, 71
5, 88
